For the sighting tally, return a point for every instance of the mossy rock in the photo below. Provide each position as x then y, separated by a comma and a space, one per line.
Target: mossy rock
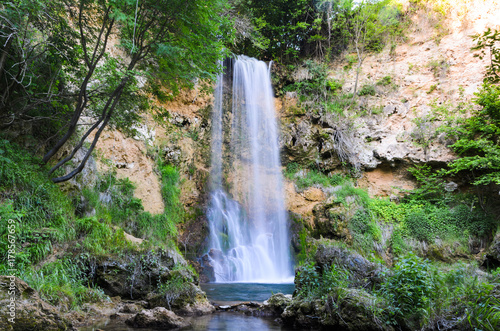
31, 312
278, 302
331, 221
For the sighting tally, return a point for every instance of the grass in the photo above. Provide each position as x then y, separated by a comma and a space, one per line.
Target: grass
305, 178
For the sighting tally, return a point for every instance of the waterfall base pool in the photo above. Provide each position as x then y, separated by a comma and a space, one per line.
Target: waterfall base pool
227, 293
219, 321
221, 294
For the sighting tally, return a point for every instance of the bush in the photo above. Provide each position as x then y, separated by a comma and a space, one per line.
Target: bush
385, 81
367, 90
409, 287
364, 231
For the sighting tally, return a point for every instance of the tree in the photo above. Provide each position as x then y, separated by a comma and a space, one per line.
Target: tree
180, 39
478, 143
372, 21
489, 42
35, 47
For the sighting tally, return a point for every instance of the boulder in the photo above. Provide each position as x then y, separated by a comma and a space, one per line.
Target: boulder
158, 317
350, 311
137, 275
29, 311
300, 142
278, 302
360, 268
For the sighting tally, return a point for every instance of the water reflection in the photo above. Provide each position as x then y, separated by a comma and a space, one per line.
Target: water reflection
225, 293
233, 321
220, 321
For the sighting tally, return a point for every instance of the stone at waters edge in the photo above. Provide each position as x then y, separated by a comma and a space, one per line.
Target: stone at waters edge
31, 312
158, 317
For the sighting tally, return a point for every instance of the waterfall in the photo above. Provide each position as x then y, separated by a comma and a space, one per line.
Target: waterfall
249, 235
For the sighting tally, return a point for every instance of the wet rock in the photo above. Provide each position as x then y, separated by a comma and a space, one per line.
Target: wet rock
150, 277
278, 302
31, 312
207, 273
158, 317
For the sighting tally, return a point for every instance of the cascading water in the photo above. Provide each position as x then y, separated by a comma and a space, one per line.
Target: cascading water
249, 237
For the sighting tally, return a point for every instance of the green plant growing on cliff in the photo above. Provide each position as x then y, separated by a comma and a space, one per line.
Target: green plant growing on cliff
175, 287
32, 201
367, 89
364, 231
409, 287
62, 283
305, 178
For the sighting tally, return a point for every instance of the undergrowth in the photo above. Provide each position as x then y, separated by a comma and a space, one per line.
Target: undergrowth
46, 221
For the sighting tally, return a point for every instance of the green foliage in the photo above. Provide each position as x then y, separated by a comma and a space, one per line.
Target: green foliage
333, 85
63, 283
38, 59
430, 183
312, 284
483, 312
115, 204
41, 212
347, 189
171, 193
100, 238
177, 285
385, 81
408, 287
488, 44
478, 139
316, 82
364, 231
319, 29
310, 177
367, 90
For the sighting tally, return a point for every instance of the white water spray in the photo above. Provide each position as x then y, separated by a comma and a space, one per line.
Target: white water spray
249, 236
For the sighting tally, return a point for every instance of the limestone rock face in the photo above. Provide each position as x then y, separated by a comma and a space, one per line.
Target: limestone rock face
300, 142
31, 312
158, 317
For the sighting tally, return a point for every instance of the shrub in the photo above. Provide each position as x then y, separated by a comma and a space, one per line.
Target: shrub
409, 287
367, 90
385, 81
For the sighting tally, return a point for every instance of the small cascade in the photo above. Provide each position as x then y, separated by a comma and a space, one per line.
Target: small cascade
249, 235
